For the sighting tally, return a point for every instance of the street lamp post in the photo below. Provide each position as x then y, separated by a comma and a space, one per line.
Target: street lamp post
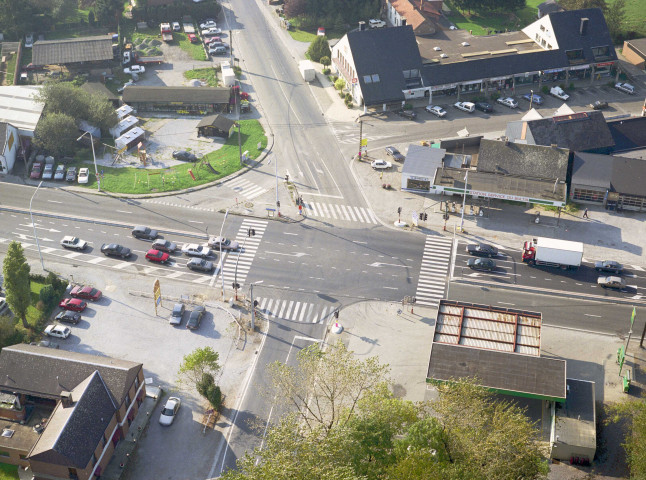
531, 98
42, 264
96, 172
464, 201
221, 262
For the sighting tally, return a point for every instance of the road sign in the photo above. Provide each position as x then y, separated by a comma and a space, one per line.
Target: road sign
355, 80
364, 142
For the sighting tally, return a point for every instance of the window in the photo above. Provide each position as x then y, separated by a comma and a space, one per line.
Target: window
375, 77
136, 383
588, 195
4, 454
542, 28
367, 79
414, 73
543, 42
549, 47
538, 38
601, 52
574, 54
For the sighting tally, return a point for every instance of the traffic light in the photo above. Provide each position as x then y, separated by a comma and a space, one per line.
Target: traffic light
336, 314
235, 285
278, 203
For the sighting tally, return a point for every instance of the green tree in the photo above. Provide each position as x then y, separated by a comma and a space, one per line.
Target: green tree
56, 133
295, 8
16, 18
101, 112
90, 18
325, 61
319, 48
61, 10
16, 281
615, 16
631, 414
210, 391
579, 4
196, 364
107, 11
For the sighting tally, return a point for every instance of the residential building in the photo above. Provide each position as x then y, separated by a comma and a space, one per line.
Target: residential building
422, 15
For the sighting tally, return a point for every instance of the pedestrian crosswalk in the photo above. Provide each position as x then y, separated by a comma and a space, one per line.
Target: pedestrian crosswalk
293, 310
340, 212
435, 266
245, 188
238, 264
348, 133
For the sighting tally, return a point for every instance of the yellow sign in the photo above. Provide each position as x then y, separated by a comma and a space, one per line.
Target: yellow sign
364, 142
157, 294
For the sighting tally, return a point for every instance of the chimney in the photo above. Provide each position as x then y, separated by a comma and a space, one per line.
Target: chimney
583, 29
66, 398
403, 21
362, 26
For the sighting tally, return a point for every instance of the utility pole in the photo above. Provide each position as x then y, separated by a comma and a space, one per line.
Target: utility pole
360, 136
253, 309
464, 201
238, 108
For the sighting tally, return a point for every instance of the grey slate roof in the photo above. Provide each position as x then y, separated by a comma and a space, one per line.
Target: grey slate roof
72, 50
509, 158
628, 133
386, 52
566, 29
628, 176
618, 174
218, 121
639, 45
422, 161
74, 432
193, 95
48, 372
592, 169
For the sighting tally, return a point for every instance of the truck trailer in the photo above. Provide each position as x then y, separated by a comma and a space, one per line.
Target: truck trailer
553, 253
166, 32
307, 70
149, 60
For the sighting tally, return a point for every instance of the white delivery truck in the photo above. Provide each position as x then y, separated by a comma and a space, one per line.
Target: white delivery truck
553, 253
307, 70
559, 93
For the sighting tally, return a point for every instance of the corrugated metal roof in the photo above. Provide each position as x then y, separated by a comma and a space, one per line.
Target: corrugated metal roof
72, 50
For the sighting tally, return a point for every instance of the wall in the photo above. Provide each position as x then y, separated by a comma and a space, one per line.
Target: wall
632, 56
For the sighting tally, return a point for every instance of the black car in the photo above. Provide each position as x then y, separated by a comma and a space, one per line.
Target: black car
195, 318
144, 232
482, 250
396, 154
481, 264
608, 266
598, 105
164, 245
484, 107
200, 265
409, 114
115, 250
184, 156
70, 176
68, 317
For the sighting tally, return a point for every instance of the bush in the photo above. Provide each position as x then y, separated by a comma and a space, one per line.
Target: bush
319, 48
326, 71
408, 106
48, 297
545, 89
495, 96
571, 86
348, 97
210, 391
339, 84
341, 95
325, 60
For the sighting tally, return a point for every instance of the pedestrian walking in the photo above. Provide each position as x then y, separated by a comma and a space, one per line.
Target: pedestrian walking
585, 213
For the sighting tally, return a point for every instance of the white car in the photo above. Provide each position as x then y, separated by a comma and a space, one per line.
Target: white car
59, 331
74, 243
435, 110
625, 87
135, 69
195, 250
84, 175
374, 23
29, 40
211, 32
558, 93
176, 27
465, 106
208, 24
508, 102
381, 165
126, 57
169, 412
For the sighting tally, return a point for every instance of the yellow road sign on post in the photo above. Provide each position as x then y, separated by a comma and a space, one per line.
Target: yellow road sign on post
364, 142
157, 294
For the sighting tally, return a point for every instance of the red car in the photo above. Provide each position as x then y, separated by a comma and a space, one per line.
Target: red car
157, 256
192, 38
36, 170
74, 304
86, 292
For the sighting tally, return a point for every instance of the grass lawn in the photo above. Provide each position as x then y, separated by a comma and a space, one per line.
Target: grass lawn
478, 23
208, 75
12, 60
195, 50
33, 314
225, 161
302, 36
635, 19
8, 472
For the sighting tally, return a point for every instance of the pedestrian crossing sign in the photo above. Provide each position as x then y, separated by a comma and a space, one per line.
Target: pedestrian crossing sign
364, 142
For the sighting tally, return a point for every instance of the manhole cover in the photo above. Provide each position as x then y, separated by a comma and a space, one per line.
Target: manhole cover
248, 205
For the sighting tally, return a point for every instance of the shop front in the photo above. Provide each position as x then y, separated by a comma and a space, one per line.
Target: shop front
580, 72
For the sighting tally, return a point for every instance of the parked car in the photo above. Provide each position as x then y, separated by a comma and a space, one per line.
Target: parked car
176, 27
48, 171
559, 93
625, 87
192, 38
380, 165
465, 106
74, 304
409, 114
435, 110
195, 250
74, 243
537, 99
208, 24
135, 69
169, 412
68, 317
218, 50
211, 31
115, 250
210, 40
59, 331
396, 154
481, 264
29, 40
608, 266
482, 250
165, 246
195, 318
598, 105
59, 173
36, 170
84, 175
616, 283
70, 176
200, 265
86, 292
184, 156
508, 102
156, 256
484, 107
375, 23
177, 314
144, 232
216, 242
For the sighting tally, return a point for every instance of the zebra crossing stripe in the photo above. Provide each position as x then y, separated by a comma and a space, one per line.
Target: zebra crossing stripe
431, 284
351, 209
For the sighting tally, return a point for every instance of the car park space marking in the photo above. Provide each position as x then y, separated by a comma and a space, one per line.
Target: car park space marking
97, 260
340, 212
73, 255
175, 274
245, 187
122, 265
432, 276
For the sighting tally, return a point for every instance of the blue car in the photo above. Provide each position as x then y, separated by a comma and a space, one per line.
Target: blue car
538, 100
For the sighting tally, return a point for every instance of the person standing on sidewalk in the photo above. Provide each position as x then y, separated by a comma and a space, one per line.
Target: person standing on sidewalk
585, 213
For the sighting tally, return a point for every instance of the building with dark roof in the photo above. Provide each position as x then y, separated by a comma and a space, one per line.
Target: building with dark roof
181, 100
635, 51
629, 134
69, 410
71, 51
215, 126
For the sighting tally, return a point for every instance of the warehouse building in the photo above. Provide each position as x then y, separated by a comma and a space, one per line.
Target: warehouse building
179, 100
95, 51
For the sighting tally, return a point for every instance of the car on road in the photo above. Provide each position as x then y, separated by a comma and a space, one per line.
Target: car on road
598, 105
48, 171
409, 114
481, 264
135, 69
217, 50
436, 110
157, 257
484, 107
508, 102
184, 156
169, 412
216, 242
87, 292
200, 265
74, 304
195, 250
177, 314
164, 245
625, 87
36, 170
609, 266
60, 331
115, 250
482, 250
195, 318
465, 106
59, 174
70, 176
84, 175
74, 243
380, 164
176, 27
68, 317
616, 283
208, 24
396, 154
537, 99
144, 232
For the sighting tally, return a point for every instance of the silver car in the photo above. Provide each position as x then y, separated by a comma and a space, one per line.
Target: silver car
177, 314
617, 283
225, 243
